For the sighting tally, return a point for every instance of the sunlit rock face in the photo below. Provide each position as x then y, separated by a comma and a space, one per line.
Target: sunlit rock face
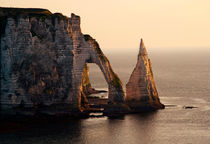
140, 89
43, 57
87, 50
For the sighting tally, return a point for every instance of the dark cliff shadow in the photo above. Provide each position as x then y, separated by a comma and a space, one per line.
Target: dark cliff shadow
59, 132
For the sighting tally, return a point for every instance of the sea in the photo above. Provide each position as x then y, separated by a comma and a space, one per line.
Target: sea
182, 79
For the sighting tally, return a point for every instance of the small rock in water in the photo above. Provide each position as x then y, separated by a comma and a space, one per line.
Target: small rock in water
189, 107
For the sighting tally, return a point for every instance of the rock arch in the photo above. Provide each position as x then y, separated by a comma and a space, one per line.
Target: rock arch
86, 50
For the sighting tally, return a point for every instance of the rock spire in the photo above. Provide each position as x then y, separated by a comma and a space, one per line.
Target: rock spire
141, 90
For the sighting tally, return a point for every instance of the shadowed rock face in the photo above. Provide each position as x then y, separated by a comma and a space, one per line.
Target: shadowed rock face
140, 89
36, 58
44, 60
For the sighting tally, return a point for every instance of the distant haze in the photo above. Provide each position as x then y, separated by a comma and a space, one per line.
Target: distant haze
119, 24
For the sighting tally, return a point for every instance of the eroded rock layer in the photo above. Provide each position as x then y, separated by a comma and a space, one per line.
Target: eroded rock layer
140, 89
44, 60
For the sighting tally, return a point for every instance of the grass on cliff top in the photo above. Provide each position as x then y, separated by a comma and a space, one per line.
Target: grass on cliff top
24, 11
40, 14
30, 12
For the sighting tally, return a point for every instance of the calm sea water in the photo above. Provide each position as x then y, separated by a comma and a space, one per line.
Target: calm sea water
182, 79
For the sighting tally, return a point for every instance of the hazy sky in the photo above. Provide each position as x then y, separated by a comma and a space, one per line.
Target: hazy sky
119, 24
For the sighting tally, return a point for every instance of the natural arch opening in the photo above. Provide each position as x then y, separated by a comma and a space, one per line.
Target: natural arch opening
94, 95
86, 51
97, 81
94, 85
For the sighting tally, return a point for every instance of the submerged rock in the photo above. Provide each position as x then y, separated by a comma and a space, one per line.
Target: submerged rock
189, 107
141, 92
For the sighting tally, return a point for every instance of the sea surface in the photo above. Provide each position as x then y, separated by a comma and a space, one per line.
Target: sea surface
182, 79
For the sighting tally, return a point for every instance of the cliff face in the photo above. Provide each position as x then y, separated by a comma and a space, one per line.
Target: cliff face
140, 89
44, 60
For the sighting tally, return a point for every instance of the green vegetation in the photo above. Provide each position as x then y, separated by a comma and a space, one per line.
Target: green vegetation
31, 12
116, 82
16, 13
40, 14
87, 37
49, 91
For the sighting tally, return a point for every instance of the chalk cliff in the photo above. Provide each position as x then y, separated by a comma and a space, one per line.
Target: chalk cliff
141, 92
44, 60
44, 68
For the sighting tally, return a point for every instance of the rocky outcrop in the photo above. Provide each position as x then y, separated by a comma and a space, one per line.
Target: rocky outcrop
141, 92
87, 50
44, 60
44, 68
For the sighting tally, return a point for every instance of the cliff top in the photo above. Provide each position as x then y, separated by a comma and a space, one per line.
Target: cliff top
29, 12
16, 13
24, 10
